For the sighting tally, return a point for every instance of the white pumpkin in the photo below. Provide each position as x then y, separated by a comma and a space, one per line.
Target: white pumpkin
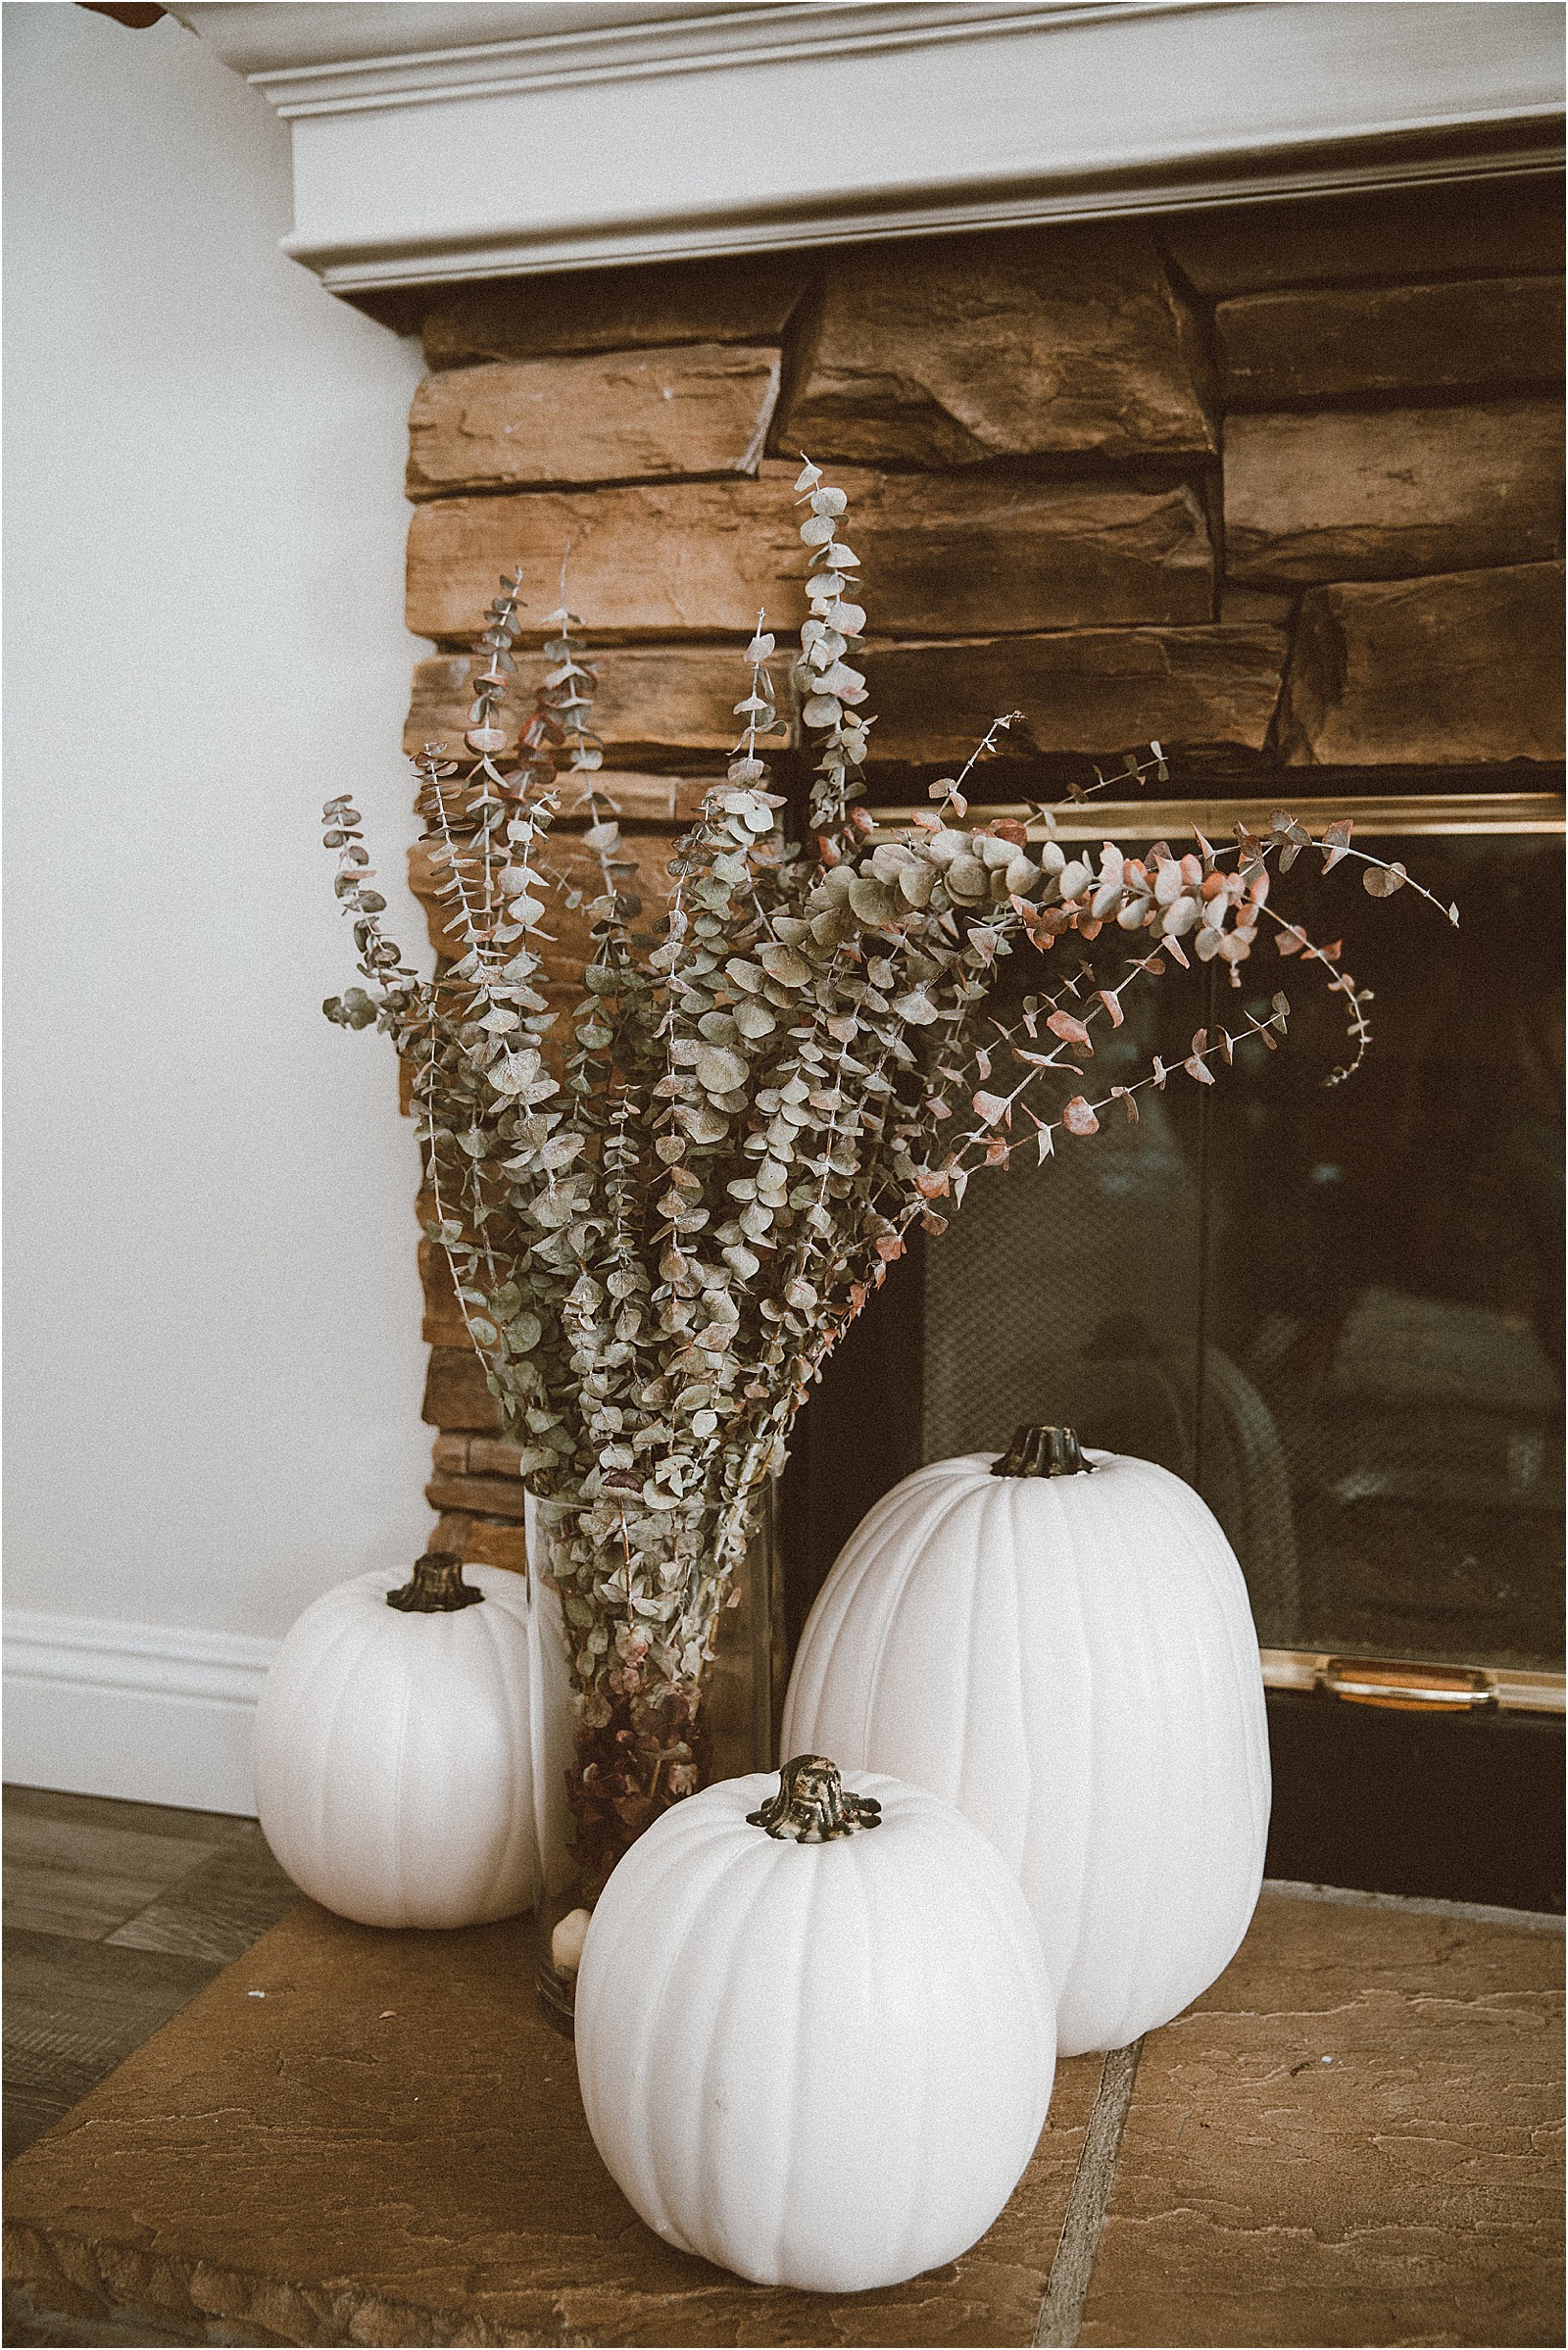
821, 2064
391, 1757
1070, 1658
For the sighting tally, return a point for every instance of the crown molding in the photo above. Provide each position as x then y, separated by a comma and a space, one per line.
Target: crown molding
774, 33
552, 138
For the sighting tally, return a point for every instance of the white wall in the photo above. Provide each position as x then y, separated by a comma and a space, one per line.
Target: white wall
212, 1308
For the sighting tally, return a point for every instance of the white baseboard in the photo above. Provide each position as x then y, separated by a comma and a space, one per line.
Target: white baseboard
142, 1711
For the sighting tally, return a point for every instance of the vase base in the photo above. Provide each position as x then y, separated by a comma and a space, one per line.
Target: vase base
560, 1930
558, 1997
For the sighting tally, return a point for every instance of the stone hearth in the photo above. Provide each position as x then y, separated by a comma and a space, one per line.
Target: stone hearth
370, 2138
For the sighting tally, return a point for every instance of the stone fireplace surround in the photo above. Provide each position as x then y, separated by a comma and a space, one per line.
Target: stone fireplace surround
1152, 429
1280, 488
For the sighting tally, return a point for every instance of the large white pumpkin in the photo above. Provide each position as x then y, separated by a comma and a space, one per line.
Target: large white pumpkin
1070, 1658
391, 1757
820, 2063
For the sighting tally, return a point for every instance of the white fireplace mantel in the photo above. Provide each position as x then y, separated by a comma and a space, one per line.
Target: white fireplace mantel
436, 142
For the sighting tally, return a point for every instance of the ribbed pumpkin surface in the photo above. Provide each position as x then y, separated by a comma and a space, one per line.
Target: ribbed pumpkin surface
391, 1757
820, 2065
1071, 1660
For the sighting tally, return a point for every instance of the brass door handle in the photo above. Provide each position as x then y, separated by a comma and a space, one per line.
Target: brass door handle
1407, 1689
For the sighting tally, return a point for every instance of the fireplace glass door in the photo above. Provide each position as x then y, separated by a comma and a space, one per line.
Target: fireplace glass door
1334, 1307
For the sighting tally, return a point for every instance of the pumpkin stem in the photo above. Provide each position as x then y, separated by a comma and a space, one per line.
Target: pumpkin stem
435, 1588
812, 1804
1043, 1452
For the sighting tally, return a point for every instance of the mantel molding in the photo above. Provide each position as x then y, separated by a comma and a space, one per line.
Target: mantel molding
554, 137
774, 33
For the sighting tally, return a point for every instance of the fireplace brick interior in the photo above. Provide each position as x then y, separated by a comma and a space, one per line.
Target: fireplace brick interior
1280, 485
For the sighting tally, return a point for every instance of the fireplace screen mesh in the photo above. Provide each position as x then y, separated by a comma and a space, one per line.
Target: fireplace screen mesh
1336, 1310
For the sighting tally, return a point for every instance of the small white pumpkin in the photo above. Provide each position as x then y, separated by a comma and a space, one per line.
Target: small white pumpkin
1070, 1658
814, 2035
391, 1757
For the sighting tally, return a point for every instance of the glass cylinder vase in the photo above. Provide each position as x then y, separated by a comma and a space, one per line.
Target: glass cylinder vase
616, 1736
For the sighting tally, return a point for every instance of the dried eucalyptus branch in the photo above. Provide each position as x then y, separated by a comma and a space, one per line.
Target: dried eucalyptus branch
657, 1233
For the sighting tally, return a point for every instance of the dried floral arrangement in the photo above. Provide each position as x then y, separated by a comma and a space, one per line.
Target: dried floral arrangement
658, 1237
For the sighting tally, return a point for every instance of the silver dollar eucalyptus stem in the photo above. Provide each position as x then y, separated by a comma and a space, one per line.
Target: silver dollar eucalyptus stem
669, 1170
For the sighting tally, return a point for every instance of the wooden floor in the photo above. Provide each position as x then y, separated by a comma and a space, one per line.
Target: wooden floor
116, 1915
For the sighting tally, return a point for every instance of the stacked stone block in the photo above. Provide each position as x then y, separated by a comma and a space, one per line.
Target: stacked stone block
1280, 485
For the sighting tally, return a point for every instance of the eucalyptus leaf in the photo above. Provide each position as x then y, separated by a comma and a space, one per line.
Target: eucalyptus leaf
786, 964
721, 1069
873, 905
704, 1125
